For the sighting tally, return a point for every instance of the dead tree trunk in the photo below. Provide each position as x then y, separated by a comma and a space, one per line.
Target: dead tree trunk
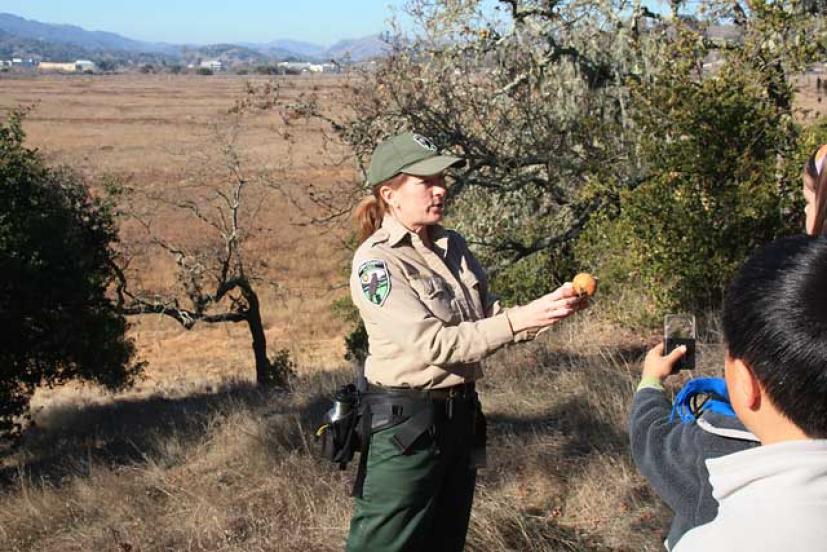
266, 374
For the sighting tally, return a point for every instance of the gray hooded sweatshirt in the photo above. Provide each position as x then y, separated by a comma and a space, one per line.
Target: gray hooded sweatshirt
672, 455
771, 498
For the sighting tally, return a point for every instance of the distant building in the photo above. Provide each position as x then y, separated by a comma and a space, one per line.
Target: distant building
212, 64
57, 67
306, 67
22, 62
79, 66
84, 65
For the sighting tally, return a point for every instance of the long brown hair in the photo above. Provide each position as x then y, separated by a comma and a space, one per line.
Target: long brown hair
816, 170
371, 210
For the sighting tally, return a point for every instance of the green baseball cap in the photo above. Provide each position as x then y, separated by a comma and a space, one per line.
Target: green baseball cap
408, 153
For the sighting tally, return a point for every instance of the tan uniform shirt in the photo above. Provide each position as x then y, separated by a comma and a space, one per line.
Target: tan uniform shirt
428, 313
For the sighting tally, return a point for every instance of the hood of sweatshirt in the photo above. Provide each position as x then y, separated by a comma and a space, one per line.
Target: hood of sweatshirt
793, 471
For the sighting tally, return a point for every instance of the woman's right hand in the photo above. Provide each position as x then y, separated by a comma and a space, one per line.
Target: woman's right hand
548, 309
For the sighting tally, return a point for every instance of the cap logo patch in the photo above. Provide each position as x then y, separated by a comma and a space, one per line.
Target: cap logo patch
424, 142
375, 281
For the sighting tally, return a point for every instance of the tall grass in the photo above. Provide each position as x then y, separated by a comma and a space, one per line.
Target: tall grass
233, 468
196, 458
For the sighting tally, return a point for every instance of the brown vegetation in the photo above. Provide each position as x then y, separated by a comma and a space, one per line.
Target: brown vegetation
197, 459
232, 468
151, 131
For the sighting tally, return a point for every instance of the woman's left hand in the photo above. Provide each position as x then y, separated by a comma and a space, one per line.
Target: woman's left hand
548, 309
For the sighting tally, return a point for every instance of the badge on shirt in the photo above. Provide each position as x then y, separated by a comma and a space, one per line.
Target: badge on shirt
376, 283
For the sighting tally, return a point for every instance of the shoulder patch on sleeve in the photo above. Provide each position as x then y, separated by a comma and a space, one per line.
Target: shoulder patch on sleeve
375, 281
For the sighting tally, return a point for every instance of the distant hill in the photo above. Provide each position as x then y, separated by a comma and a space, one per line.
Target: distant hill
358, 49
228, 52
288, 48
76, 36
15, 46
20, 36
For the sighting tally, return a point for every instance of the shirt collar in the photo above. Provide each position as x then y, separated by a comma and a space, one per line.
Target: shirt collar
397, 232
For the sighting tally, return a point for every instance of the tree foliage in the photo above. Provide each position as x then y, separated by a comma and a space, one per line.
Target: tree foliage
56, 260
597, 131
532, 95
718, 151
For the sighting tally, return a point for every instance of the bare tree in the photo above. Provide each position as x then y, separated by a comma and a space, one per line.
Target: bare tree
216, 273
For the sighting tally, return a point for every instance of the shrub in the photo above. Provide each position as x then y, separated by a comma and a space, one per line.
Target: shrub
356, 341
56, 261
722, 178
281, 369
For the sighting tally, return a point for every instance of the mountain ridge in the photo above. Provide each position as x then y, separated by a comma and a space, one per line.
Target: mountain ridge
35, 33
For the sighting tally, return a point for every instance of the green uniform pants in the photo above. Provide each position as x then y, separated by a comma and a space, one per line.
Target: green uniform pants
420, 500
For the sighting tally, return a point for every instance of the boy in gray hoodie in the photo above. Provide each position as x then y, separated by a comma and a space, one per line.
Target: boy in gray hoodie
671, 453
770, 496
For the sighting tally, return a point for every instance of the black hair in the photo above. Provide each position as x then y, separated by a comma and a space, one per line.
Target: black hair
775, 320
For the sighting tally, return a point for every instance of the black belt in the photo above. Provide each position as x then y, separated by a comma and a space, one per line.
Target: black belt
460, 391
386, 407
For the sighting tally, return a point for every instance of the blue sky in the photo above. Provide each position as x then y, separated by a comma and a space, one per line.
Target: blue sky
209, 21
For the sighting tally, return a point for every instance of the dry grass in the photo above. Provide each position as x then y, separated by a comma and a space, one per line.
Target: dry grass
194, 458
154, 132
810, 100
231, 468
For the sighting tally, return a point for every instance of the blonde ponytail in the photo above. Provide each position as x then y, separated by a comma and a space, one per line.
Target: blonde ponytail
368, 215
371, 210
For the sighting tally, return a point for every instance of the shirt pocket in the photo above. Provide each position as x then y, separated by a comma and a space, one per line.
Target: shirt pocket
436, 295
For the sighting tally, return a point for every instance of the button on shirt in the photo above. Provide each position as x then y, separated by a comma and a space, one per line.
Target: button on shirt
427, 310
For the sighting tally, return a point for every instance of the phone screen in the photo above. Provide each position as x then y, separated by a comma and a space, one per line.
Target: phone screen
679, 329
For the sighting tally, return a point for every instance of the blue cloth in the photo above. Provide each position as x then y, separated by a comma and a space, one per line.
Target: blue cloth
700, 395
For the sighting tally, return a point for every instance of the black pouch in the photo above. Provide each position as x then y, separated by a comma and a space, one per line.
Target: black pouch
338, 436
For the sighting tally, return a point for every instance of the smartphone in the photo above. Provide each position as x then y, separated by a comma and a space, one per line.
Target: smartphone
679, 329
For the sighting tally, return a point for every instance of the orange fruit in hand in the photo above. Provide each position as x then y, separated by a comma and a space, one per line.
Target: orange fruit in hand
584, 284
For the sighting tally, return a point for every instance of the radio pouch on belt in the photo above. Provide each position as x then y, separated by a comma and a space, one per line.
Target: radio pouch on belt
338, 435
364, 432
346, 426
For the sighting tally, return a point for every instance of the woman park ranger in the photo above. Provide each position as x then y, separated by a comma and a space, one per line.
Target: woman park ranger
430, 320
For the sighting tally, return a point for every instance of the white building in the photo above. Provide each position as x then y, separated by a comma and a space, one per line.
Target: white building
212, 64
82, 65
306, 67
23, 62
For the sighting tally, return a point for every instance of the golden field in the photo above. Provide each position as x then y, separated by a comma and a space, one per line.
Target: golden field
156, 133
196, 458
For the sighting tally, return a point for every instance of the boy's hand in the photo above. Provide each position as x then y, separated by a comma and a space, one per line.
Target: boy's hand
655, 365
